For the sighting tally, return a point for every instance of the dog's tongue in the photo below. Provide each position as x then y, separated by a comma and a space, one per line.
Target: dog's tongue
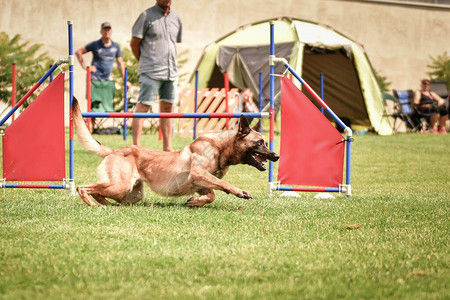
260, 158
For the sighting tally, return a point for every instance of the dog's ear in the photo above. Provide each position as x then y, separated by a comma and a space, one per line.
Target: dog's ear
244, 127
257, 126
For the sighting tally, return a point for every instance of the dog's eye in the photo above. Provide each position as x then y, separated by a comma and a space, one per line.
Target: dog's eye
261, 142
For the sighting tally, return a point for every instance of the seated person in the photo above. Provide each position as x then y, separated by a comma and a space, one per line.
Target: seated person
248, 105
428, 102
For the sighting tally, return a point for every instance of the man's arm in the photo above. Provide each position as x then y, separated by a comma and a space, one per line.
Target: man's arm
79, 54
135, 45
121, 66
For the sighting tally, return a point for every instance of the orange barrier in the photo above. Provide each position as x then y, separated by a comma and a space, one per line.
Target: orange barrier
209, 101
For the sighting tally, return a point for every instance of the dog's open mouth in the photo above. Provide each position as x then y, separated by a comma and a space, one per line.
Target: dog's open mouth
258, 158
259, 161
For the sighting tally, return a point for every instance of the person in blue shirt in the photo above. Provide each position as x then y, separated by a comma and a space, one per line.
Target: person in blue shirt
105, 51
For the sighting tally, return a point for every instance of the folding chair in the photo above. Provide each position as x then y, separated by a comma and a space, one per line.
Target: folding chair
405, 108
440, 88
102, 96
392, 112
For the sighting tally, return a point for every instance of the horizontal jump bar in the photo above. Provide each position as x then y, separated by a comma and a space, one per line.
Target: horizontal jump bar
33, 186
174, 115
309, 189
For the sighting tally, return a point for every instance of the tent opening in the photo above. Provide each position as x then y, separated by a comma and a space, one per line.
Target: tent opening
342, 89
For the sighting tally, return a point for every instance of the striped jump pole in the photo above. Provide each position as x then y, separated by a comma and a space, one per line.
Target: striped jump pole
14, 88
33, 186
173, 115
71, 130
125, 104
308, 189
195, 103
88, 94
322, 89
227, 89
260, 101
272, 96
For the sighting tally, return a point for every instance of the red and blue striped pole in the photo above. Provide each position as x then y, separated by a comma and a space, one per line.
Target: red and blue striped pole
272, 96
71, 146
322, 90
172, 115
227, 89
33, 186
309, 189
125, 103
14, 88
195, 103
88, 94
51, 75
260, 101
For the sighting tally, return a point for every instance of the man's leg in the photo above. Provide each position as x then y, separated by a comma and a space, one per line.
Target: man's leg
166, 126
138, 123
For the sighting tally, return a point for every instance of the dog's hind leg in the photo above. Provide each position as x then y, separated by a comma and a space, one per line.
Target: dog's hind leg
206, 196
136, 194
85, 196
101, 191
100, 199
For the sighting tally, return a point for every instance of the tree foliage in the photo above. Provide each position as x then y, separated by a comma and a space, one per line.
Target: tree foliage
30, 65
382, 81
440, 66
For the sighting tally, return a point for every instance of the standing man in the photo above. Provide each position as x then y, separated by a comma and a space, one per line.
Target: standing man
105, 51
153, 43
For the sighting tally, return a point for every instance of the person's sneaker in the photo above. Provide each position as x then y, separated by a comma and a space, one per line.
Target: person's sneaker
435, 131
443, 131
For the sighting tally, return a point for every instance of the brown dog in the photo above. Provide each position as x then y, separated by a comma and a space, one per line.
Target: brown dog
197, 168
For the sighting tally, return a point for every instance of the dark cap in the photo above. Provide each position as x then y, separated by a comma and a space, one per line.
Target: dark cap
105, 25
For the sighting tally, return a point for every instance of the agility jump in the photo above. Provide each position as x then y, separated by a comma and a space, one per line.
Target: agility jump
40, 161
312, 150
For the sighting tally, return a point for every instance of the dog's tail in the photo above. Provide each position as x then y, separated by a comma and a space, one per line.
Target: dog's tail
84, 135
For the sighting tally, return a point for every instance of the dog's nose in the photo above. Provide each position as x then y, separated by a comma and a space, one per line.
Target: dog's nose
275, 157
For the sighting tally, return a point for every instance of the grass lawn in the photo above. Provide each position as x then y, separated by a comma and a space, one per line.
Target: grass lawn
389, 240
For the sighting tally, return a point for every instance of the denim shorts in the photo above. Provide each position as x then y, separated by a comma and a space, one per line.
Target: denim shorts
150, 88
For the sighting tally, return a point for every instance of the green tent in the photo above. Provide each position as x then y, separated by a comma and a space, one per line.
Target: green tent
351, 89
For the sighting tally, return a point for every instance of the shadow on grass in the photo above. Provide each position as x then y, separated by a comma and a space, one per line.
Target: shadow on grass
181, 203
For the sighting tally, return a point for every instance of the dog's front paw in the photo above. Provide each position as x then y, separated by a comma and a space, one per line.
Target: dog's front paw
245, 195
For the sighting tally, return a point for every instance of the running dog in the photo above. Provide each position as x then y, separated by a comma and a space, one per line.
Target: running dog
197, 168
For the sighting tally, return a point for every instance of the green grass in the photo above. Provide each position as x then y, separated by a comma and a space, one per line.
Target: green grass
389, 240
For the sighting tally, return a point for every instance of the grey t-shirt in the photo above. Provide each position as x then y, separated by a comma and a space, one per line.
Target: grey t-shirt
159, 35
